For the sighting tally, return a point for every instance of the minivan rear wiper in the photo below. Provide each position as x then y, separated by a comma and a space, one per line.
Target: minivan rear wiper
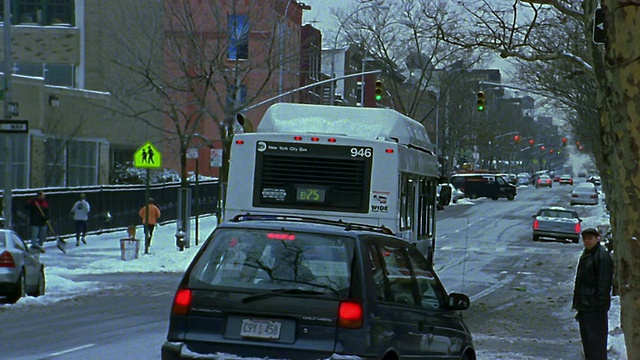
276, 292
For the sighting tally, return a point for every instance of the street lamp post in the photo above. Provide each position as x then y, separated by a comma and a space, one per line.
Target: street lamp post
335, 42
283, 28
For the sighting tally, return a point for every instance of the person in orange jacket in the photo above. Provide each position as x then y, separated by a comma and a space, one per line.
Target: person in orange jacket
151, 220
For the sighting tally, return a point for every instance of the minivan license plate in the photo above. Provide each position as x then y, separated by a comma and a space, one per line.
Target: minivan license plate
261, 329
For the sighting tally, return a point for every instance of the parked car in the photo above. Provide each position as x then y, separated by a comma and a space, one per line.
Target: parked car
557, 223
566, 179
475, 185
595, 180
302, 288
523, 179
584, 194
21, 271
544, 181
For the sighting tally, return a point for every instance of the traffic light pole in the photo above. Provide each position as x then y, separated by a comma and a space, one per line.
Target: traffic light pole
309, 86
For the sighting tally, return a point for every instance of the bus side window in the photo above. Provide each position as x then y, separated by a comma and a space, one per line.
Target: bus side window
407, 202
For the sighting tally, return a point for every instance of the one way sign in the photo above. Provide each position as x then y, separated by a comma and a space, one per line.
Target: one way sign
599, 35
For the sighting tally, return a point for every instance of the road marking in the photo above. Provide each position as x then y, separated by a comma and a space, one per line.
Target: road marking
161, 294
72, 350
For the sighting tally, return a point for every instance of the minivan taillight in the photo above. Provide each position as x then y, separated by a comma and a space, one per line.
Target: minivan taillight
6, 260
182, 302
577, 228
350, 315
536, 224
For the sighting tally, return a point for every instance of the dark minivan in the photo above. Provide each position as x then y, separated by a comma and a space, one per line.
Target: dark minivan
492, 186
300, 288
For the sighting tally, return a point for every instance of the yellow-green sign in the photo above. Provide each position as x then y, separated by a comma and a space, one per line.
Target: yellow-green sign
147, 156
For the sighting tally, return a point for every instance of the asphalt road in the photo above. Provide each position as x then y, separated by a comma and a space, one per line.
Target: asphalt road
520, 291
126, 320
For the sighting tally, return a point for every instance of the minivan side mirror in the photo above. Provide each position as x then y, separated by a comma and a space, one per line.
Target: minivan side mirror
445, 195
458, 301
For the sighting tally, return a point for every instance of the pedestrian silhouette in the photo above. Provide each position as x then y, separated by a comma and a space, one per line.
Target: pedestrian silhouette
150, 153
144, 155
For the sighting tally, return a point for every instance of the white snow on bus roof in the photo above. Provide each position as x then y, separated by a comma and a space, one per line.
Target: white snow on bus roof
368, 123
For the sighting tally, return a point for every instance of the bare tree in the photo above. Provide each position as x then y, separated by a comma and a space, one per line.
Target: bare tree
534, 30
423, 74
195, 65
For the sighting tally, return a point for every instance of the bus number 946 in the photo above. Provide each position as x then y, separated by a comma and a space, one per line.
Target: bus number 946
361, 152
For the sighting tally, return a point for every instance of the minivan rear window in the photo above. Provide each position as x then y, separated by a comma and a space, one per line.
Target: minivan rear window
267, 260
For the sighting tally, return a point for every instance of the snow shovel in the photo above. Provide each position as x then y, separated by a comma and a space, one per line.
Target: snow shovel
59, 242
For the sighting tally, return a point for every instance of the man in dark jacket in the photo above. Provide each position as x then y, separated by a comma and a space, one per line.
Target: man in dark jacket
592, 295
38, 217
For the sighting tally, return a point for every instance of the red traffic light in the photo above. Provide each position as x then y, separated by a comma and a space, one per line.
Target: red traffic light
542, 148
564, 141
531, 142
516, 138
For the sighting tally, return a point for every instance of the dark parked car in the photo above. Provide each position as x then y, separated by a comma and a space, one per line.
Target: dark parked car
557, 223
301, 288
21, 272
478, 185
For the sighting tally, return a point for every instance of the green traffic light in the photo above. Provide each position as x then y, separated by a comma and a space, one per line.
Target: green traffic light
378, 97
480, 108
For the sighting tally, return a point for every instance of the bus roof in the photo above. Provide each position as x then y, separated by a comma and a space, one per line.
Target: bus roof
368, 123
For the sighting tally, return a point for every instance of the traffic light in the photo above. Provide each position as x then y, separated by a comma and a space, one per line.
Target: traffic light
531, 142
378, 90
564, 141
481, 101
542, 148
516, 139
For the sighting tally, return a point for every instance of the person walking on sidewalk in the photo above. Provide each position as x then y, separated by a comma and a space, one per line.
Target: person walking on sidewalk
149, 221
38, 217
80, 212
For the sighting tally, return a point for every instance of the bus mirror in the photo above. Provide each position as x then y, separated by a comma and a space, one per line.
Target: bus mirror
246, 124
445, 195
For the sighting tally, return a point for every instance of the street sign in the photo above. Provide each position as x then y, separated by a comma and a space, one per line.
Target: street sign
148, 157
599, 35
192, 153
216, 158
14, 126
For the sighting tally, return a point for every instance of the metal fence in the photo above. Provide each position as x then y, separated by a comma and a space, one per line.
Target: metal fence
112, 206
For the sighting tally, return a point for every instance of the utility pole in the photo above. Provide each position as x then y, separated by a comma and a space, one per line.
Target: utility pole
6, 199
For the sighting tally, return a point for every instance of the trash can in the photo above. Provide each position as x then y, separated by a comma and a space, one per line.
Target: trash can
129, 249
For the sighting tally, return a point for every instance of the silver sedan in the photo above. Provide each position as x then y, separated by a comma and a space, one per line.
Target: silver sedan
21, 272
584, 194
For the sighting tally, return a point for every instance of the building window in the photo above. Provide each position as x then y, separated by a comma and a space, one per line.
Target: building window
70, 162
45, 12
59, 75
232, 101
19, 162
53, 74
55, 159
238, 27
83, 160
60, 12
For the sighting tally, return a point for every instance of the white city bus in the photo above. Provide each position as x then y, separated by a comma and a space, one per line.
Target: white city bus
364, 165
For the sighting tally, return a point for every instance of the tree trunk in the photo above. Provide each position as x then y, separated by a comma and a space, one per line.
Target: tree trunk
622, 115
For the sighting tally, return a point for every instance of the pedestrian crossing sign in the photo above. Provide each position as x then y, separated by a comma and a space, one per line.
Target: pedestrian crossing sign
148, 157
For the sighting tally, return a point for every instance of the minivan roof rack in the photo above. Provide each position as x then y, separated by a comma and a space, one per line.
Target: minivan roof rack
305, 219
